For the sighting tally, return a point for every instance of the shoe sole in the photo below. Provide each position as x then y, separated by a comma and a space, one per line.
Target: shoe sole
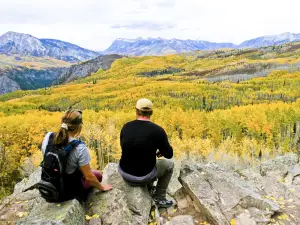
164, 206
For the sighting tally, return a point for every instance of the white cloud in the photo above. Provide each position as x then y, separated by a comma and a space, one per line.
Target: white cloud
95, 24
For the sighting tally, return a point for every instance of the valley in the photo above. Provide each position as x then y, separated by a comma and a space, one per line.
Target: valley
234, 122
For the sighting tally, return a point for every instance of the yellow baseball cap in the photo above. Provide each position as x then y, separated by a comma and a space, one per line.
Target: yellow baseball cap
144, 104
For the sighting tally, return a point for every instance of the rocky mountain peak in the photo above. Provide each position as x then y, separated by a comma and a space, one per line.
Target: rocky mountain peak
25, 44
17, 43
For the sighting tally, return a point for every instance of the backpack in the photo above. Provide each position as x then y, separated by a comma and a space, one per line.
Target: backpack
52, 186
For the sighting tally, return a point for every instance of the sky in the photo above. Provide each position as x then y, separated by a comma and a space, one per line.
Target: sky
95, 24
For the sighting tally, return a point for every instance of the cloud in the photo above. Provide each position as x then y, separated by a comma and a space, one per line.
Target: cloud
166, 3
95, 24
144, 25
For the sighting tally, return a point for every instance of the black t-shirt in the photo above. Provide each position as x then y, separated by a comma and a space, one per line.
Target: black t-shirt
139, 141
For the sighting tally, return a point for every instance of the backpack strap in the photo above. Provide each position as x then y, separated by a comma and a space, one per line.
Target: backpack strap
51, 138
69, 147
73, 144
50, 141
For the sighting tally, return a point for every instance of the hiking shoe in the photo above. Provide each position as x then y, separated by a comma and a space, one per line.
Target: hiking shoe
163, 203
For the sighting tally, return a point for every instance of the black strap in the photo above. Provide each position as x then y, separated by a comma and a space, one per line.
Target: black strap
69, 147
51, 138
72, 145
50, 142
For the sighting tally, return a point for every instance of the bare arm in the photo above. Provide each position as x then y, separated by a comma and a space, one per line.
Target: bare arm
92, 179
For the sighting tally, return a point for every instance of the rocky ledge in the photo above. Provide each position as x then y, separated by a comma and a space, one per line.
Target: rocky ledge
205, 193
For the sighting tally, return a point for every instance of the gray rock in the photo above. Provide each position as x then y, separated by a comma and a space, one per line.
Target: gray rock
218, 194
175, 185
28, 208
27, 168
181, 220
280, 187
295, 171
95, 221
67, 213
279, 166
221, 195
28, 183
245, 219
122, 205
18, 205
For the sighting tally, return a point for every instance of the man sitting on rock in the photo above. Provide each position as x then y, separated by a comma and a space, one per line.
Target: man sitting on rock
141, 142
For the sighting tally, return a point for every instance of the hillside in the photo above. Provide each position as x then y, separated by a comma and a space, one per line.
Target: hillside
204, 114
28, 72
27, 45
84, 69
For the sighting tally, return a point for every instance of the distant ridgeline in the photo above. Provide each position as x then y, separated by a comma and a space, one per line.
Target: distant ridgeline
30, 63
160, 46
202, 111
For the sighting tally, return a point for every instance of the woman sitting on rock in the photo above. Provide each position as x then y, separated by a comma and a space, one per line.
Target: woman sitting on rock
66, 171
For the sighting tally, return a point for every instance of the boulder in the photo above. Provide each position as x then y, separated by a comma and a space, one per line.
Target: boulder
175, 185
67, 213
267, 194
29, 207
279, 184
27, 167
123, 204
28, 183
245, 219
222, 195
181, 220
279, 166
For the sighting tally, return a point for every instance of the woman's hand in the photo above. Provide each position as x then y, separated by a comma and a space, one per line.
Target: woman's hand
105, 187
92, 179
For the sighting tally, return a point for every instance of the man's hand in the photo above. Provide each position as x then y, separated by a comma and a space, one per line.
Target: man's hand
105, 187
158, 154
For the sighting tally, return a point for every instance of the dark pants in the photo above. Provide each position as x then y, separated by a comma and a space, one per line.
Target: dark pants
164, 171
164, 174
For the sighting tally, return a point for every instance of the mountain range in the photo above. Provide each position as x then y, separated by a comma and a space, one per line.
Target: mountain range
25, 44
27, 62
160, 46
